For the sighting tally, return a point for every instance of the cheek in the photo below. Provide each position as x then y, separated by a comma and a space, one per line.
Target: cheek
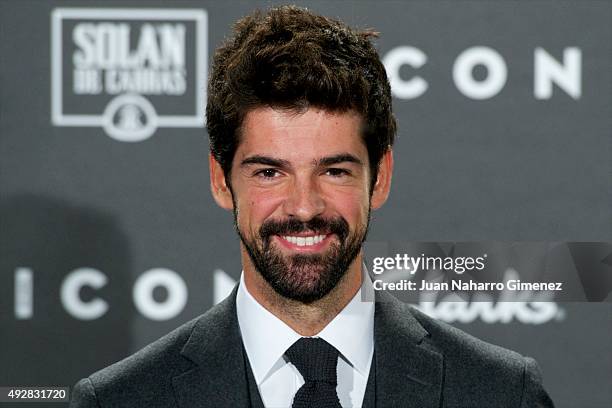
255, 206
350, 204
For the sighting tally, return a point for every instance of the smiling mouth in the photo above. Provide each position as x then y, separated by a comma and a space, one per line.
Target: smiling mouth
304, 241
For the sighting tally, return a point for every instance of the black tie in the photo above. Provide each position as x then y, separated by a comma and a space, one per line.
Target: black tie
317, 361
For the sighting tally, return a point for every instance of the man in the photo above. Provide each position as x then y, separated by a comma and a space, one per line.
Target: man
301, 129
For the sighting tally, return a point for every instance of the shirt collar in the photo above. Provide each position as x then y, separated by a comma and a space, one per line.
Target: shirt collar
351, 332
264, 347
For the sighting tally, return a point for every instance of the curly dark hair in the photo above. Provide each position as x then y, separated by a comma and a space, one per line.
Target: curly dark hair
291, 58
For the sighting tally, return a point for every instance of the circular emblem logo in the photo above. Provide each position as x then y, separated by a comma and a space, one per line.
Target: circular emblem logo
130, 118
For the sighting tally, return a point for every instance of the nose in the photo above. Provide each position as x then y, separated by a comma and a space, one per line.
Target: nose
304, 200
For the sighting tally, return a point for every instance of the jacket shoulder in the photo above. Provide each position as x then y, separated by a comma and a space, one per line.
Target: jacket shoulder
475, 370
145, 377
163, 355
457, 344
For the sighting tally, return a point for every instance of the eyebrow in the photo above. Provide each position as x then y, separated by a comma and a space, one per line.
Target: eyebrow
265, 160
322, 162
337, 159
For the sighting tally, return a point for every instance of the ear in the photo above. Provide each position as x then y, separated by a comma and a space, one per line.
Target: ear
382, 187
218, 185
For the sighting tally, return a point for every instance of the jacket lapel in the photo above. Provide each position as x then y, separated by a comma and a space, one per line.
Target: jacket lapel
408, 373
215, 346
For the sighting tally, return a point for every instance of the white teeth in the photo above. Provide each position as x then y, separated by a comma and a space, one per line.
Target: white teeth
304, 241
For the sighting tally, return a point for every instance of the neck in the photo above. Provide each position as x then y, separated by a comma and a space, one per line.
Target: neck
305, 319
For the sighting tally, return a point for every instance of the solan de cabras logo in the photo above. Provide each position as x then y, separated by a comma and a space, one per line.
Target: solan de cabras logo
128, 71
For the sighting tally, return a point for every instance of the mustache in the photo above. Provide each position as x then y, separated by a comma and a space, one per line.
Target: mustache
336, 225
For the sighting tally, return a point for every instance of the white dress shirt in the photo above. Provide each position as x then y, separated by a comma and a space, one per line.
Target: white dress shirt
266, 338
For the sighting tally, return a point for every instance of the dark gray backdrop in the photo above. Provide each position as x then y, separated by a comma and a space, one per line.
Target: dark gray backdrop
510, 167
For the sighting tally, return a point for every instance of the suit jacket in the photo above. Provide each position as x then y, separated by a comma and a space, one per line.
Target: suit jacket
419, 363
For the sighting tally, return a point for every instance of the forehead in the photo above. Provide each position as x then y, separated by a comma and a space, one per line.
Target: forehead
300, 136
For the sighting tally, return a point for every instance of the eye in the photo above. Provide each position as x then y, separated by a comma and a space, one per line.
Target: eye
337, 172
268, 173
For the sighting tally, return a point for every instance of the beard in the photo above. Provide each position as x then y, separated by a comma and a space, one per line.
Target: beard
304, 277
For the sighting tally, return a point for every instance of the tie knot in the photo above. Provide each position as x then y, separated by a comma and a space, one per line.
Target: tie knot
315, 359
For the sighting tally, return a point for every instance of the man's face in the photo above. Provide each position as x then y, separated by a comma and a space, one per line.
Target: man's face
300, 192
